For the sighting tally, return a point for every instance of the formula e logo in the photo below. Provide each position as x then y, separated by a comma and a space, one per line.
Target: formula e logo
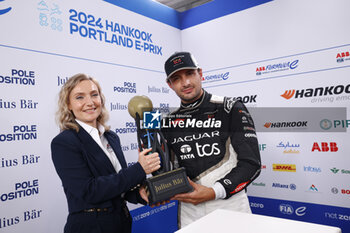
185, 149
286, 209
151, 120
4, 11
301, 211
207, 149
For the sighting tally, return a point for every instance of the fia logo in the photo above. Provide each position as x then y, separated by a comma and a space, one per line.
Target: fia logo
151, 120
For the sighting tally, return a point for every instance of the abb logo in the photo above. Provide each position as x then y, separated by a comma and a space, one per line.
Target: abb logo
347, 191
345, 54
325, 147
288, 94
260, 69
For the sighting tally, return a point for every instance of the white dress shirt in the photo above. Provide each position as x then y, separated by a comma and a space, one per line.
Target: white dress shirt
102, 142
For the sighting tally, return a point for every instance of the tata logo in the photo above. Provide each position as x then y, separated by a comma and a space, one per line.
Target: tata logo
286, 209
284, 167
185, 149
4, 11
151, 120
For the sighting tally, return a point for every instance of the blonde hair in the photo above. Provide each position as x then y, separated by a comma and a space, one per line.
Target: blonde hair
64, 116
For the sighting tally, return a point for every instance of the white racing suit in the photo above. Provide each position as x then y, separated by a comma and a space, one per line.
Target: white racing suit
215, 140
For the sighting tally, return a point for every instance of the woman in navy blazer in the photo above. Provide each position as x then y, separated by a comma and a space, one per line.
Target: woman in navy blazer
89, 160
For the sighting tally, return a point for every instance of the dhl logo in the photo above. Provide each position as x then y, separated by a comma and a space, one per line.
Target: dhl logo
284, 167
288, 94
267, 124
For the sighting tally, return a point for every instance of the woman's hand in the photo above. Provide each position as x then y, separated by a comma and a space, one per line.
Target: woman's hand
149, 163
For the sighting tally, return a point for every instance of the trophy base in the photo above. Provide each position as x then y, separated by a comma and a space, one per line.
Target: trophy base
163, 186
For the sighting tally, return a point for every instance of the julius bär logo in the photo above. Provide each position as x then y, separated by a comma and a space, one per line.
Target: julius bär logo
151, 120
341, 57
4, 11
325, 147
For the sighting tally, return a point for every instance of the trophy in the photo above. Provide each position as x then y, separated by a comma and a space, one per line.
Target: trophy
164, 182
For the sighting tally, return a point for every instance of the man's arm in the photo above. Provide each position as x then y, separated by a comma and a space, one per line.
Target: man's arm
244, 142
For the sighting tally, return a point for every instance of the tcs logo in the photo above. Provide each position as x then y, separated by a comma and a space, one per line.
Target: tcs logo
325, 147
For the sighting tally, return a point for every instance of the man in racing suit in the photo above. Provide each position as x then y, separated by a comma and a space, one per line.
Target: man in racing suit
214, 139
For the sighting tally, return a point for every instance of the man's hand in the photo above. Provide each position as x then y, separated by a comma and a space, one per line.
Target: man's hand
199, 194
143, 193
144, 196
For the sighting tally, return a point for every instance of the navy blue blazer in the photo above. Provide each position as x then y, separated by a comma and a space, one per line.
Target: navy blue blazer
88, 177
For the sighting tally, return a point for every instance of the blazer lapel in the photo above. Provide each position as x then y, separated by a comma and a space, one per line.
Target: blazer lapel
114, 142
95, 151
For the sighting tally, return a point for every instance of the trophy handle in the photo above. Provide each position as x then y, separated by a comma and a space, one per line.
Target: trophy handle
159, 145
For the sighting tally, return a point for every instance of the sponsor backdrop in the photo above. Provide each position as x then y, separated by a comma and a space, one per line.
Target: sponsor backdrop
278, 54
289, 62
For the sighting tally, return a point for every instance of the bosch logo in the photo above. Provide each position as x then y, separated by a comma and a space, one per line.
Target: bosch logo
345, 191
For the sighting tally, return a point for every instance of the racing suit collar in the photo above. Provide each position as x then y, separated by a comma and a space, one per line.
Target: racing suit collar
195, 104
